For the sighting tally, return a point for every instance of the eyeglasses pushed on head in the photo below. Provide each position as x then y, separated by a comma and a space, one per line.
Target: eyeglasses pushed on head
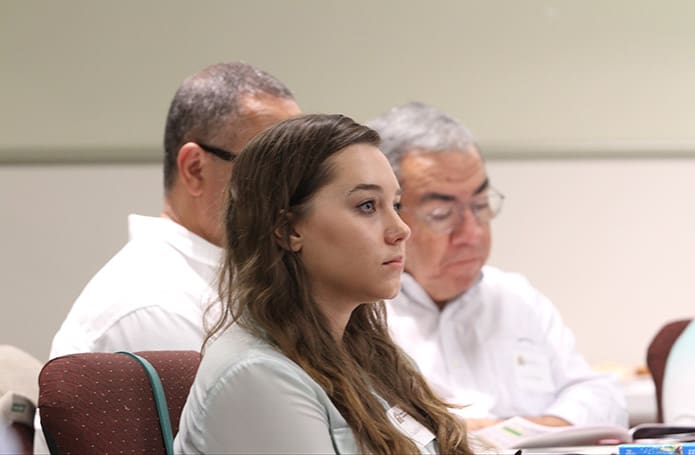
443, 214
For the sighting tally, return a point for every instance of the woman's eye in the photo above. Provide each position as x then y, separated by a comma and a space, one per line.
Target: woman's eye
367, 207
397, 206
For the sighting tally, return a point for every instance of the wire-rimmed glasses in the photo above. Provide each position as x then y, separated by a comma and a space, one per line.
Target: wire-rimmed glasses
443, 215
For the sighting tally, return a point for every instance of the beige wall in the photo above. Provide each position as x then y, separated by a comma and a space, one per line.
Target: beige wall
96, 74
585, 110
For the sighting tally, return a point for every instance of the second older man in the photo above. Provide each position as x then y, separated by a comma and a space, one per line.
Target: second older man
484, 338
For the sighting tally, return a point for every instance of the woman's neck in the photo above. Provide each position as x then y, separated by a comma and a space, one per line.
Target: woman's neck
337, 314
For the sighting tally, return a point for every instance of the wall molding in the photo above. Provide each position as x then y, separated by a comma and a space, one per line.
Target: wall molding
539, 151
44, 155
609, 150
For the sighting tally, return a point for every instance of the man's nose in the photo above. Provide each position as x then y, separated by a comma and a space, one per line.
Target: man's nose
468, 229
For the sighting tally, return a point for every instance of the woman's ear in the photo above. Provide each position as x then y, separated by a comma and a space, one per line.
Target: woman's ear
285, 234
295, 241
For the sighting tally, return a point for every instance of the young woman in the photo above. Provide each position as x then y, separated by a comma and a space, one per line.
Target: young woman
300, 360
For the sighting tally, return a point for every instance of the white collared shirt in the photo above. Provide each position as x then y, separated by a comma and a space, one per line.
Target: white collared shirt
502, 349
151, 295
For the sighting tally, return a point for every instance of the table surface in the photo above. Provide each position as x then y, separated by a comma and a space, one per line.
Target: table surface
578, 450
641, 399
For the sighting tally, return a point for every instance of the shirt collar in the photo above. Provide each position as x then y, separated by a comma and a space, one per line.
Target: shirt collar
180, 238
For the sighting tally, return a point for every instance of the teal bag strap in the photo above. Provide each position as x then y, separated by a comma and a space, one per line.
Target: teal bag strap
159, 399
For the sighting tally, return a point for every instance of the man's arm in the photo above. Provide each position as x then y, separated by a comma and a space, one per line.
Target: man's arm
583, 395
149, 329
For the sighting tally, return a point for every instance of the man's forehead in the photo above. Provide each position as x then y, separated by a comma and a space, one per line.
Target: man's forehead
260, 104
258, 112
455, 171
470, 148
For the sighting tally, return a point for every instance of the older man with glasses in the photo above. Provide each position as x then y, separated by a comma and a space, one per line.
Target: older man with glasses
153, 293
484, 338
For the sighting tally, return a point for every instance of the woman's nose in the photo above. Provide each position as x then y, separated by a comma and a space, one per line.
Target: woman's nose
399, 231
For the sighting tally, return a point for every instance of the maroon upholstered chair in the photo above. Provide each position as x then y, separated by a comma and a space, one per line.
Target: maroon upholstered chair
657, 354
103, 402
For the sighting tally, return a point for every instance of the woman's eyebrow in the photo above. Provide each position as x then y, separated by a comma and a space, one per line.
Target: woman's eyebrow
366, 187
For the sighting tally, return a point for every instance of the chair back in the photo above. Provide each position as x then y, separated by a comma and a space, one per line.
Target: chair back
16, 438
19, 390
657, 354
103, 402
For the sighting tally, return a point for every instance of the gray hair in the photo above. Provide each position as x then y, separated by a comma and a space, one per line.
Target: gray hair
416, 125
209, 103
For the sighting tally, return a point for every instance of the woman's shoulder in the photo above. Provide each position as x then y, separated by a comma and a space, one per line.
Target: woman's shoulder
235, 346
239, 356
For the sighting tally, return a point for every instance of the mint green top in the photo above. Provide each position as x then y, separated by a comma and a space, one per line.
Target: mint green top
250, 398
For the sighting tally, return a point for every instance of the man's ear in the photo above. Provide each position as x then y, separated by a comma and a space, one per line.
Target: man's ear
190, 165
286, 234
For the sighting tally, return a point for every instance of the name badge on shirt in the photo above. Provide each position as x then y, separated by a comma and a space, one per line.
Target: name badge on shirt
410, 427
532, 371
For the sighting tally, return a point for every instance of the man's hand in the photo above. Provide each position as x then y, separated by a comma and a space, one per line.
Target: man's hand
550, 421
477, 424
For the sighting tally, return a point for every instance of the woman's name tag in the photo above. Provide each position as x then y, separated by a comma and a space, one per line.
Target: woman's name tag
410, 427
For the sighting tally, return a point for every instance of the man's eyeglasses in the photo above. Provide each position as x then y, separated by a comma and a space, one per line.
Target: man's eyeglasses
444, 216
222, 154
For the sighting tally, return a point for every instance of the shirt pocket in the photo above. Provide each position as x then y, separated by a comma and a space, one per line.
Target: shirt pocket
524, 374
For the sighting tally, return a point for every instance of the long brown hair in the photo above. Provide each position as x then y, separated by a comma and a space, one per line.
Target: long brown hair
264, 288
